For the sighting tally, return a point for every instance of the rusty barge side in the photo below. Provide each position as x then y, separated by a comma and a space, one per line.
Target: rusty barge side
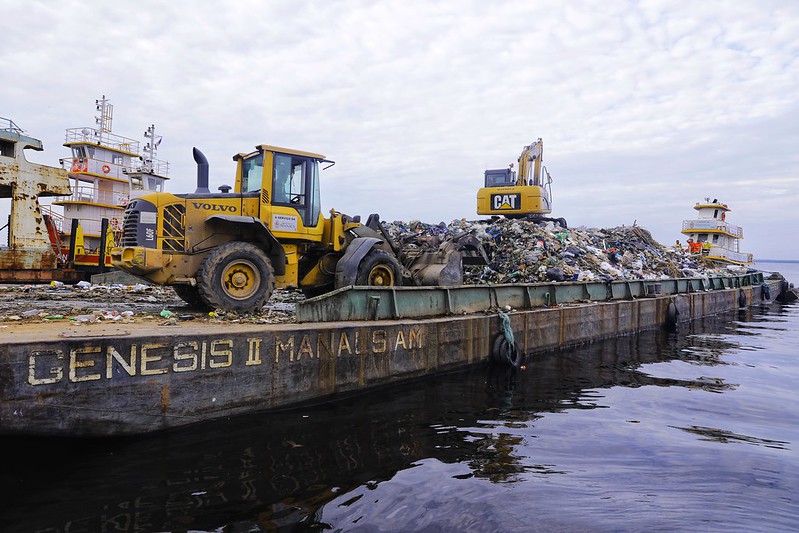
124, 380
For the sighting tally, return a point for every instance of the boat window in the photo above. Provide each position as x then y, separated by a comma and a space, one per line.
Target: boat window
6, 148
78, 151
252, 171
702, 237
716, 213
117, 159
715, 238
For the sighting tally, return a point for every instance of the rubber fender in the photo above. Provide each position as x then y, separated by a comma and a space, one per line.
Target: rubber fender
741, 299
672, 315
765, 291
505, 353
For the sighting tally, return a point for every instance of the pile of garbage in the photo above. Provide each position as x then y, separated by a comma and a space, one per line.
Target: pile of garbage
523, 251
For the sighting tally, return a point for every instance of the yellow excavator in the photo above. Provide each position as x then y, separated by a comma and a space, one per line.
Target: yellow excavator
523, 194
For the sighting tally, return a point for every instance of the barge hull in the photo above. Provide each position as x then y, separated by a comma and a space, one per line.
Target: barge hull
129, 379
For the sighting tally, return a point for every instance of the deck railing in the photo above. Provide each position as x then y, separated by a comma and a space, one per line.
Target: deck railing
713, 224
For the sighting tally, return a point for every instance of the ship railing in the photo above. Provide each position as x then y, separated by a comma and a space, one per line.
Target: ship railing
109, 169
713, 224
89, 194
55, 217
738, 257
6, 124
150, 166
110, 140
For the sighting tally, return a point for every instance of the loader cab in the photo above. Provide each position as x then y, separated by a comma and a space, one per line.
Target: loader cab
285, 179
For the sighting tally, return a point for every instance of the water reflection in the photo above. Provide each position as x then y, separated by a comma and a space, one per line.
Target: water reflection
277, 471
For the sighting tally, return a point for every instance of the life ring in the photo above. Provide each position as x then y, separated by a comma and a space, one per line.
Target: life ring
79, 166
505, 353
106, 169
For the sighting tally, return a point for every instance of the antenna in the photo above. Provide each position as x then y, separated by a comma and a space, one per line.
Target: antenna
106, 114
151, 146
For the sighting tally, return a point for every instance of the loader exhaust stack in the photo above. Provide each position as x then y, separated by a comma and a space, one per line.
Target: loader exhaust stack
202, 171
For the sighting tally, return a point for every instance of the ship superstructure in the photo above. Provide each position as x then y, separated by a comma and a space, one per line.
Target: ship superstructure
105, 171
714, 237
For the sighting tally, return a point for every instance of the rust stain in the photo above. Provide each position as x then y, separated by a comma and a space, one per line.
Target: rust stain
165, 398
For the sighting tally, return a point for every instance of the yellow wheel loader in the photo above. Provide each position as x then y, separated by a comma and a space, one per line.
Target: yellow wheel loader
526, 194
228, 250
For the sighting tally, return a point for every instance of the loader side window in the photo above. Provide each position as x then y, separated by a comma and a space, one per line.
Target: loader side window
252, 172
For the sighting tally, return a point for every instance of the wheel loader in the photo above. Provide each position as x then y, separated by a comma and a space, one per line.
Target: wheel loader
526, 194
229, 250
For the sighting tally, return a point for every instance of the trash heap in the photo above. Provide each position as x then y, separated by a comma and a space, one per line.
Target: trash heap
523, 251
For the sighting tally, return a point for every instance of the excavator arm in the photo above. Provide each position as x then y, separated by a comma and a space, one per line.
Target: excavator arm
530, 164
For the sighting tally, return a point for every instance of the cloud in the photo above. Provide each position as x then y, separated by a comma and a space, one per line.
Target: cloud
644, 107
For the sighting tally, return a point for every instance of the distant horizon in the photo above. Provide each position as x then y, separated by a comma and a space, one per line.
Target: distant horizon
776, 260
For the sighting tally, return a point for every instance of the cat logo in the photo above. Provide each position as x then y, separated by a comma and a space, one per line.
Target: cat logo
506, 202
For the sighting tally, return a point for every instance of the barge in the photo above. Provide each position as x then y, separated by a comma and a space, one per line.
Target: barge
113, 379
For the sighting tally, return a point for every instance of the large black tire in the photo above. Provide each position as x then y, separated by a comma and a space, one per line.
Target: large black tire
505, 353
191, 295
379, 268
237, 276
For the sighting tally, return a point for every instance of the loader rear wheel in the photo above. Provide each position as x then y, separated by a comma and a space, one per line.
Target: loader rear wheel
191, 295
378, 268
237, 276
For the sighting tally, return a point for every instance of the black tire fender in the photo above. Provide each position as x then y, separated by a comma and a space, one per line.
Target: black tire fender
672, 315
505, 353
765, 291
741, 299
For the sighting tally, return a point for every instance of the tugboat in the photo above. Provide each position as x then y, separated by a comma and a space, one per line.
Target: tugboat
105, 171
713, 237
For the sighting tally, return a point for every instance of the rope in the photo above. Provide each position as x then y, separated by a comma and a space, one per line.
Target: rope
507, 331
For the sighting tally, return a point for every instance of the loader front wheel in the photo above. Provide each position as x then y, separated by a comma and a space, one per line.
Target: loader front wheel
237, 276
378, 268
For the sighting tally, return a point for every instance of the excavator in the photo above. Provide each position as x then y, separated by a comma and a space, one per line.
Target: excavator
229, 250
523, 194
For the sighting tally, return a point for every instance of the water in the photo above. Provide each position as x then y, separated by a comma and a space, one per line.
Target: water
693, 430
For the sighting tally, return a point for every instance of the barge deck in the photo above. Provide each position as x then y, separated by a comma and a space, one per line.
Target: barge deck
122, 379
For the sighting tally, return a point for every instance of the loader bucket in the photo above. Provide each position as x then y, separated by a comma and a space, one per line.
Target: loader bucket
442, 267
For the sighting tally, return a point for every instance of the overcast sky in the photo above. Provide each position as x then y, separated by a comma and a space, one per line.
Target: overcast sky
645, 108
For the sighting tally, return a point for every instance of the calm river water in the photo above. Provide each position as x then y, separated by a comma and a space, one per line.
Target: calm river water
693, 430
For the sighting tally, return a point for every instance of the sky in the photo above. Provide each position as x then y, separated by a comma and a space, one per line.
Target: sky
644, 107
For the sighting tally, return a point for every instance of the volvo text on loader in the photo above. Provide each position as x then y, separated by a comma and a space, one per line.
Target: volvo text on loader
228, 250
526, 194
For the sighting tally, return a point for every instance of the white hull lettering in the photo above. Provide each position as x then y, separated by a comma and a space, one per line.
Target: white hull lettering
106, 361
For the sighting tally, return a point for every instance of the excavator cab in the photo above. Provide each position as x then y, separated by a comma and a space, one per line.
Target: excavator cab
500, 177
523, 194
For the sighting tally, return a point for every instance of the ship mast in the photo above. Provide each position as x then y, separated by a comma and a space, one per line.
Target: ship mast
106, 109
151, 147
